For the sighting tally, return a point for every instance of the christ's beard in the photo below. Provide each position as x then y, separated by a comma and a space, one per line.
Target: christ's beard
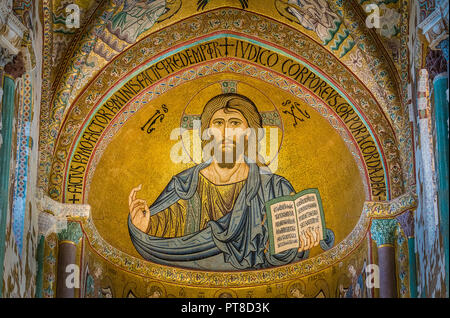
228, 158
226, 165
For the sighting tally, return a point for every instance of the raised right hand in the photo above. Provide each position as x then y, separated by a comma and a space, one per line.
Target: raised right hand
139, 210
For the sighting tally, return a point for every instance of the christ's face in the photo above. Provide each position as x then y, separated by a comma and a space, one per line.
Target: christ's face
229, 127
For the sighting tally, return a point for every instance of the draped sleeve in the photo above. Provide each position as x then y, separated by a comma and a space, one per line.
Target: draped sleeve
169, 222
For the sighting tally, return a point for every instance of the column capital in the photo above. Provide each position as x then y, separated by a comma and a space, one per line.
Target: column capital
435, 27
5, 57
406, 221
11, 29
383, 231
12, 33
54, 216
72, 233
436, 62
15, 68
62, 210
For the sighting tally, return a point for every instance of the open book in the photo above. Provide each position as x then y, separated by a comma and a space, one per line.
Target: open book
290, 217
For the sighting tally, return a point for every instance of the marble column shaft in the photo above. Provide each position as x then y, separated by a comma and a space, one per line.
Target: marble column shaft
68, 240
383, 233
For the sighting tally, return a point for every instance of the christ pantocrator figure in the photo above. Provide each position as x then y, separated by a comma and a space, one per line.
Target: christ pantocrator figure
214, 213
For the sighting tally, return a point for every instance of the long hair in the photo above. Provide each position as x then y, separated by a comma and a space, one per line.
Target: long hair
236, 102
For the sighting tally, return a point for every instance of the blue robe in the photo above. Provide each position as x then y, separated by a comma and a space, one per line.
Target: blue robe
236, 241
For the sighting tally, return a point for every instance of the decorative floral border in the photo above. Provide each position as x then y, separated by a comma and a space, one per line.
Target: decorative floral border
392, 208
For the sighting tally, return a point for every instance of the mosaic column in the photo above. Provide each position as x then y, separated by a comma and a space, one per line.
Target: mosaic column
46, 225
430, 204
406, 221
440, 85
383, 233
40, 269
12, 71
1, 96
435, 30
68, 240
7, 115
54, 217
441, 99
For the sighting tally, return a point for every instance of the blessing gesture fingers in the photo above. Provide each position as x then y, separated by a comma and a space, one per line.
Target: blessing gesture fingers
139, 210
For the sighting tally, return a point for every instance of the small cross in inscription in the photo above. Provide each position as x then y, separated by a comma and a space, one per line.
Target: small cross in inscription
74, 199
226, 46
